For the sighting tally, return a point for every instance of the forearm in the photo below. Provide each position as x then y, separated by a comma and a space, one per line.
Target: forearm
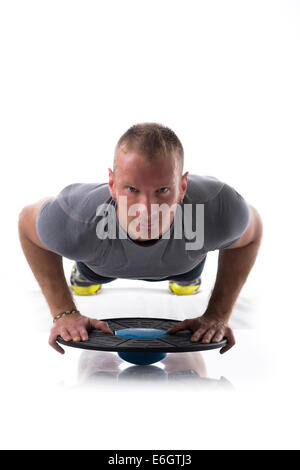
234, 266
47, 268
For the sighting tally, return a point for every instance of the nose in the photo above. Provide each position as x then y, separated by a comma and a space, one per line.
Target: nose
146, 203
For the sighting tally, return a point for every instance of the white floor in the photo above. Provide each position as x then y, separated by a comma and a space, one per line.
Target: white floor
48, 390
126, 298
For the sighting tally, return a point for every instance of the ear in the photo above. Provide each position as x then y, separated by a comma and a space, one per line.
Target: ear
183, 185
111, 183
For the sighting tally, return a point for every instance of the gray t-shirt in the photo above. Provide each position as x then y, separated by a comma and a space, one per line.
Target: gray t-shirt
67, 225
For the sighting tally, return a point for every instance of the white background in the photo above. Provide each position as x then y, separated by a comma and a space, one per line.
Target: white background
224, 75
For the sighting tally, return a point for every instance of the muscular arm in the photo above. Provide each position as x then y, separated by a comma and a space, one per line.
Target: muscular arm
46, 266
234, 266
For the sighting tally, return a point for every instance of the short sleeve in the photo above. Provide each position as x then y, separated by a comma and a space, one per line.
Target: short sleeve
65, 225
233, 217
53, 228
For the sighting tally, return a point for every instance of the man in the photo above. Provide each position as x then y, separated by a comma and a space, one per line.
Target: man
149, 222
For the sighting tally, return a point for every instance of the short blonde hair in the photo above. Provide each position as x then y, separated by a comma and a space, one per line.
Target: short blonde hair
152, 141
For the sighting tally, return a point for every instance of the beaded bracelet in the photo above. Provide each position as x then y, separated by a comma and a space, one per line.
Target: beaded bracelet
69, 312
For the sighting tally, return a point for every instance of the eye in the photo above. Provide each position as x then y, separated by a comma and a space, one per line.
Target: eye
132, 189
163, 190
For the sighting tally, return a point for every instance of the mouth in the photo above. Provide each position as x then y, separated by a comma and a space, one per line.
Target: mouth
148, 226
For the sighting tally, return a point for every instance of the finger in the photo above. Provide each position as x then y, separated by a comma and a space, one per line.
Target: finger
54, 345
208, 335
83, 333
183, 325
230, 341
199, 333
75, 336
219, 335
65, 334
101, 325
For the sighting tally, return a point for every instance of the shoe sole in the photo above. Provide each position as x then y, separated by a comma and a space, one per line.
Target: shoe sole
184, 290
86, 290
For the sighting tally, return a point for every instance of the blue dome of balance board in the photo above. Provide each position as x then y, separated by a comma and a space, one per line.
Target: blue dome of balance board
141, 358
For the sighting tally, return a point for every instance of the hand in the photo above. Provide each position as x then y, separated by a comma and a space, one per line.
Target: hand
207, 328
75, 327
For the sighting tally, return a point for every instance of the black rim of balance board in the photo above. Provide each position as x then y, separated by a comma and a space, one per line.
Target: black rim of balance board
178, 342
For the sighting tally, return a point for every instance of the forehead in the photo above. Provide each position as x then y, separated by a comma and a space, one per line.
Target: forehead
132, 167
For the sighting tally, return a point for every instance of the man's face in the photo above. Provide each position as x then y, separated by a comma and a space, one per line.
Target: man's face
144, 186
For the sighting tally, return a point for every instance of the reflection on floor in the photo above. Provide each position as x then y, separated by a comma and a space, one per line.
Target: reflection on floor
99, 368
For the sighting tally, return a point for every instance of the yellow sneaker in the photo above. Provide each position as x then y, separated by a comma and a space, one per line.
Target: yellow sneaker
185, 288
80, 285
